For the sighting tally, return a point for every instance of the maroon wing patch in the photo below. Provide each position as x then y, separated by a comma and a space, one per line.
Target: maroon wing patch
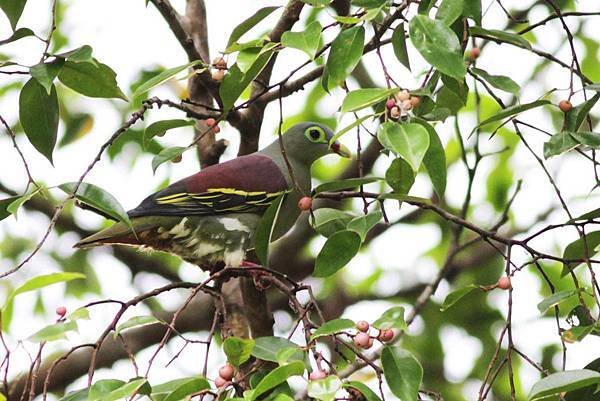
247, 184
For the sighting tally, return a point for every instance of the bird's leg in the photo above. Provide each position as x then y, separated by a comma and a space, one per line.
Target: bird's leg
257, 275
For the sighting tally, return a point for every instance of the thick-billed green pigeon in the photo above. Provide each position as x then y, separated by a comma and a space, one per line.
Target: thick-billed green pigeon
209, 218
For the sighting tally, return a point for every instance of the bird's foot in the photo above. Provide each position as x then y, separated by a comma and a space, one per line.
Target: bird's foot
246, 263
258, 276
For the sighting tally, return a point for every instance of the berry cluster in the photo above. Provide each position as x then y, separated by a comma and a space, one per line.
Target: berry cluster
401, 104
226, 373
219, 66
364, 340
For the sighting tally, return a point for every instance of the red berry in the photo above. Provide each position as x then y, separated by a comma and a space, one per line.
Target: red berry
390, 103
362, 340
504, 283
474, 53
362, 326
61, 311
220, 382
226, 372
395, 112
218, 75
216, 129
565, 106
210, 122
317, 375
386, 335
305, 203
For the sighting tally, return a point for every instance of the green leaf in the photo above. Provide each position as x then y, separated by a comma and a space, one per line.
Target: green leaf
409, 141
45, 73
472, 9
438, 45
339, 249
81, 54
589, 139
559, 143
317, 3
435, 159
403, 372
14, 206
498, 81
500, 36
160, 127
93, 80
576, 117
306, 41
588, 393
348, 183
102, 387
53, 332
577, 250
393, 318
449, 11
346, 51
328, 220
79, 313
560, 382
369, 3
166, 155
4, 204
98, 198
276, 377
332, 327
77, 395
347, 128
249, 23
455, 296
400, 176
162, 78
136, 321
38, 113
13, 10
236, 81
186, 388
555, 299
238, 350
363, 389
324, 389
127, 390
591, 215
267, 348
510, 112
361, 98
363, 224
247, 57
39, 282
18, 34
399, 45
264, 232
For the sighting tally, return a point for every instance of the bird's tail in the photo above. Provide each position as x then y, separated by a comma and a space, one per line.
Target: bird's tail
118, 233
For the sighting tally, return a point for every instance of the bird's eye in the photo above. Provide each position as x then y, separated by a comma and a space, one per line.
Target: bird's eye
315, 134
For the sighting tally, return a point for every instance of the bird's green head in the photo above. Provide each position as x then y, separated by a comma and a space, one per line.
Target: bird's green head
308, 141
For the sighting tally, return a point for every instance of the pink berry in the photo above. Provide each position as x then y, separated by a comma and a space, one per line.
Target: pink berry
61, 311
210, 122
317, 375
403, 95
362, 340
362, 326
390, 103
386, 335
218, 75
395, 112
220, 382
226, 372
504, 283
370, 344
305, 203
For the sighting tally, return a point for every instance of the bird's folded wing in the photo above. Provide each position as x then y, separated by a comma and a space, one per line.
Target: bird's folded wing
247, 184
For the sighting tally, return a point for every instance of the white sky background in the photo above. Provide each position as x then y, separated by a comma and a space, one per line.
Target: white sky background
128, 36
